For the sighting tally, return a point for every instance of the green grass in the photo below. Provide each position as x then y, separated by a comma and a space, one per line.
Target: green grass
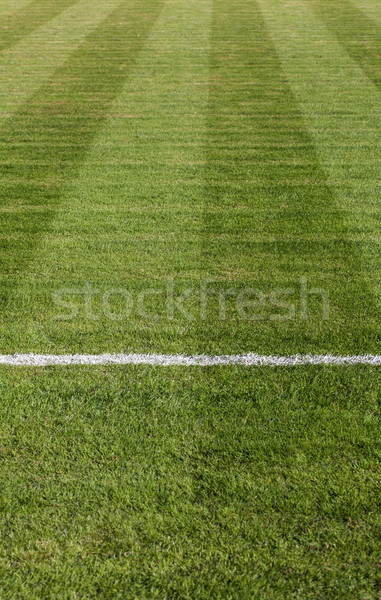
223, 483
189, 143
16, 25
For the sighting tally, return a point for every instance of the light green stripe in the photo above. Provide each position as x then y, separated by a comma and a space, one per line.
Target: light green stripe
7, 7
342, 112
370, 8
28, 64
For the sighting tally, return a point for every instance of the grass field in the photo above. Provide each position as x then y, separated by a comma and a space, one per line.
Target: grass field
193, 177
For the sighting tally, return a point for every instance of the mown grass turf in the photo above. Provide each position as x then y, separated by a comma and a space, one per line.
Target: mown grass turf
176, 186
359, 34
23, 21
222, 483
166, 148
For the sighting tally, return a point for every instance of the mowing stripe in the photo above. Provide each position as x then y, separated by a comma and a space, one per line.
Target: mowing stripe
342, 112
267, 195
27, 65
54, 130
360, 35
28, 18
370, 8
200, 360
146, 159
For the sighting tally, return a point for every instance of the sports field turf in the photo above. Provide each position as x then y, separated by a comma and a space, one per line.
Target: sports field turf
192, 177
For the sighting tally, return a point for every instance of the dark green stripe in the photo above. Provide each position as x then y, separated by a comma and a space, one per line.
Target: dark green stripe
264, 181
359, 35
22, 22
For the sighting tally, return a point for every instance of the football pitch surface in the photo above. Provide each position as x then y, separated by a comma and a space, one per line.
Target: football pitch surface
190, 178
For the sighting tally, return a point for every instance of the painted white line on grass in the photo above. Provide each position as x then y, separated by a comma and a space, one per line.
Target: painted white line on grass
202, 360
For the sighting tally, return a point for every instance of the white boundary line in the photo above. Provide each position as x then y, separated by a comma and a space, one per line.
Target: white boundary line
166, 360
